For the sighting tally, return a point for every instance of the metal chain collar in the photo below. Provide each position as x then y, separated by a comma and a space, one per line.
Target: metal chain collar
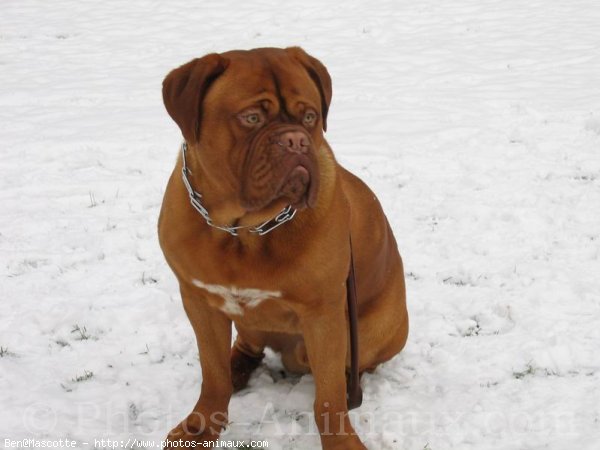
282, 217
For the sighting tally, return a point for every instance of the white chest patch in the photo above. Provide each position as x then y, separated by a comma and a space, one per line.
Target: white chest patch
235, 297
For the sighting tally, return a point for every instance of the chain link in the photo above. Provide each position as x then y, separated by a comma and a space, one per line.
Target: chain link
285, 215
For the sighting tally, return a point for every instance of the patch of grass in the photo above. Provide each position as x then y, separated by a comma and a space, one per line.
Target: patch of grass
93, 202
456, 281
4, 352
529, 370
474, 330
81, 333
109, 226
62, 343
86, 376
149, 279
540, 371
585, 177
133, 412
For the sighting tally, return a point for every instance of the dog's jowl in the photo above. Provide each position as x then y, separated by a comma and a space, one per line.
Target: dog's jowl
256, 224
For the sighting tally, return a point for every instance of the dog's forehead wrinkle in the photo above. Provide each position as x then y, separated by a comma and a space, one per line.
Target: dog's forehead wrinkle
277, 84
256, 85
265, 67
275, 75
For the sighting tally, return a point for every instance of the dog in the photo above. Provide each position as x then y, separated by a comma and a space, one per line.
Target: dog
256, 224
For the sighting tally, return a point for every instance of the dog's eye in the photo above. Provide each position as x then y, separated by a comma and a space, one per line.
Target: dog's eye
310, 117
252, 119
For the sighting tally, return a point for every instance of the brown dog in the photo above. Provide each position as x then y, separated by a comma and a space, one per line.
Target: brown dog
254, 155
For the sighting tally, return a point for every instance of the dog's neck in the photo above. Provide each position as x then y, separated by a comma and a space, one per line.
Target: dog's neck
224, 214
198, 202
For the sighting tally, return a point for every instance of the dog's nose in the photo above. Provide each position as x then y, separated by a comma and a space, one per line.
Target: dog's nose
294, 141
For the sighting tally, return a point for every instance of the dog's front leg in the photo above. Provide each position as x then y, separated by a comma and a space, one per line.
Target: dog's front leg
213, 335
326, 338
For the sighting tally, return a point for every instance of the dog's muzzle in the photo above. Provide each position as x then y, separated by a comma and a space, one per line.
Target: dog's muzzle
281, 164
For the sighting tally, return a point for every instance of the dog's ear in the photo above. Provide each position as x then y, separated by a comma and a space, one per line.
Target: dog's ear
318, 73
184, 89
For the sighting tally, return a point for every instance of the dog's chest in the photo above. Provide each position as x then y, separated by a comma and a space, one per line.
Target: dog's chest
237, 300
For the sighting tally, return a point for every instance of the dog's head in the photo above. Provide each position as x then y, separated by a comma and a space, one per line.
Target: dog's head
256, 118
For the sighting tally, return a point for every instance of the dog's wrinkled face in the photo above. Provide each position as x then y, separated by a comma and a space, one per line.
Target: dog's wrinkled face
258, 118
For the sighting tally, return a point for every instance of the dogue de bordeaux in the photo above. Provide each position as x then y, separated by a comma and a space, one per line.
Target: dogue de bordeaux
256, 223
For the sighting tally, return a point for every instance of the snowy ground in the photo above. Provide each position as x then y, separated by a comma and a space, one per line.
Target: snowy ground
476, 122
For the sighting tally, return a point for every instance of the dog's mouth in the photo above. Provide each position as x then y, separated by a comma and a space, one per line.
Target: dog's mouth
299, 188
278, 175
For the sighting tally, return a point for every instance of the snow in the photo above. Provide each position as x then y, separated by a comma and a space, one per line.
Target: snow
476, 122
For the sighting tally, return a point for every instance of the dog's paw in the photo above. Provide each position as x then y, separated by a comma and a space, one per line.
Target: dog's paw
197, 428
242, 366
345, 439
352, 443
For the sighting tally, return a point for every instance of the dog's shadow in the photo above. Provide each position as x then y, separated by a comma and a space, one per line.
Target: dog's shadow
276, 405
271, 376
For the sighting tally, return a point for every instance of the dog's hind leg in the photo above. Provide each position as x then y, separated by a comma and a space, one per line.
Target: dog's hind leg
242, 366
246, 356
